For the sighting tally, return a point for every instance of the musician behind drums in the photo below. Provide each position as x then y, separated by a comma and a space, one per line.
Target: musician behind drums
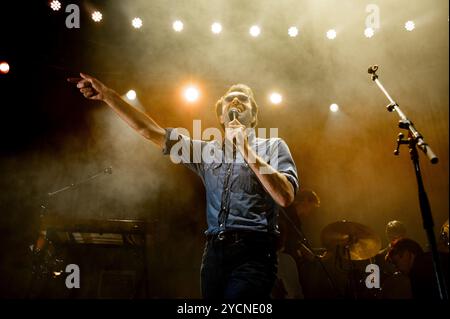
414, 276
394, 231
295, 215
404, 254
295, 242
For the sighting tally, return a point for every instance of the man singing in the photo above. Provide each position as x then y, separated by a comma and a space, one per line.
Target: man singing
246, 180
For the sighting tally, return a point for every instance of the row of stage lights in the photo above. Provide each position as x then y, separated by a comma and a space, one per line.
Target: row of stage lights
192, 94
216, 27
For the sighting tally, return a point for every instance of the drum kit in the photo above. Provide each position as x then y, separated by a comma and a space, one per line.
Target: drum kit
356, 246
358, 241
350, 247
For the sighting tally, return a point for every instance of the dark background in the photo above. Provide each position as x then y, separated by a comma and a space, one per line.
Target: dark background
51, 136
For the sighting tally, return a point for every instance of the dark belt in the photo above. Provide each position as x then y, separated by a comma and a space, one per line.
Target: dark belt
233, 236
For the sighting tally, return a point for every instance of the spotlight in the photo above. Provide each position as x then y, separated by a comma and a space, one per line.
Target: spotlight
136, 23
131, 95
410, 25
4, 67
369, 32
97, 16
191, 94
334, 107
293, 32
178, 26
55, 5
255, 31
276, 98
331, 34
216, 28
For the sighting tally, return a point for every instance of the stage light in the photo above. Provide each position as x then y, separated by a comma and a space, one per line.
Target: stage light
369, 32
97, 16
136, 23
131, 95
293, 32
216, 28
55, 5
191, 94
178, 26
334, 107
410, 25
331, 34
276, 98
255, 31
4, 67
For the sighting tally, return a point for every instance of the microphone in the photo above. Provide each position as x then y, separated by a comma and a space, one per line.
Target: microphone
233, 113
108, 170
372, 69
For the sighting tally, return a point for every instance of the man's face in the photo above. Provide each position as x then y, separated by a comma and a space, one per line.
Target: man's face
305, 208
242, 103
403, 261
394, 238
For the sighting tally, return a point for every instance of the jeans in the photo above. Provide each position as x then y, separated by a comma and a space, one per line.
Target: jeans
241, 268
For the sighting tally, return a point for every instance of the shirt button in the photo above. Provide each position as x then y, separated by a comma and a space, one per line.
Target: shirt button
221, 225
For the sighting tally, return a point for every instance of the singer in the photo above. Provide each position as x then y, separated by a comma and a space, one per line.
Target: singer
242, 196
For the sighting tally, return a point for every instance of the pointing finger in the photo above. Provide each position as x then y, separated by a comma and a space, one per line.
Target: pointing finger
74, 80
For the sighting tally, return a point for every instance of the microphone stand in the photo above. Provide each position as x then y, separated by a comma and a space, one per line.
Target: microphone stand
44, 258
107, 170
415, 140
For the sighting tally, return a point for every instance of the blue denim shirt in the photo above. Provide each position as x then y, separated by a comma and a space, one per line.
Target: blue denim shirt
235, 198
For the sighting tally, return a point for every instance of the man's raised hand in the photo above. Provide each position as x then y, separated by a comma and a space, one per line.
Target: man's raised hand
90, 87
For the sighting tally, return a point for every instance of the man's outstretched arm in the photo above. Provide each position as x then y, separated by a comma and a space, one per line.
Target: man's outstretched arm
93, 89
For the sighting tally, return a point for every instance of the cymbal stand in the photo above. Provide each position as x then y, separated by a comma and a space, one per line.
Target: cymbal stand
351, 274
305, 244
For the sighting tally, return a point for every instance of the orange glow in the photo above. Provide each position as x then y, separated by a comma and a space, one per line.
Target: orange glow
4, 67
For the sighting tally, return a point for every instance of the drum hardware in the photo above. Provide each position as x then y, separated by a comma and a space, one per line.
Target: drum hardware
350, 242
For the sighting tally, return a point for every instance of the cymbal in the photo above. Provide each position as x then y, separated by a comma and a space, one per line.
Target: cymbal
361, 241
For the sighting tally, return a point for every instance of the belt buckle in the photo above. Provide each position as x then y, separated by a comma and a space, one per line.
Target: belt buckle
221, 235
